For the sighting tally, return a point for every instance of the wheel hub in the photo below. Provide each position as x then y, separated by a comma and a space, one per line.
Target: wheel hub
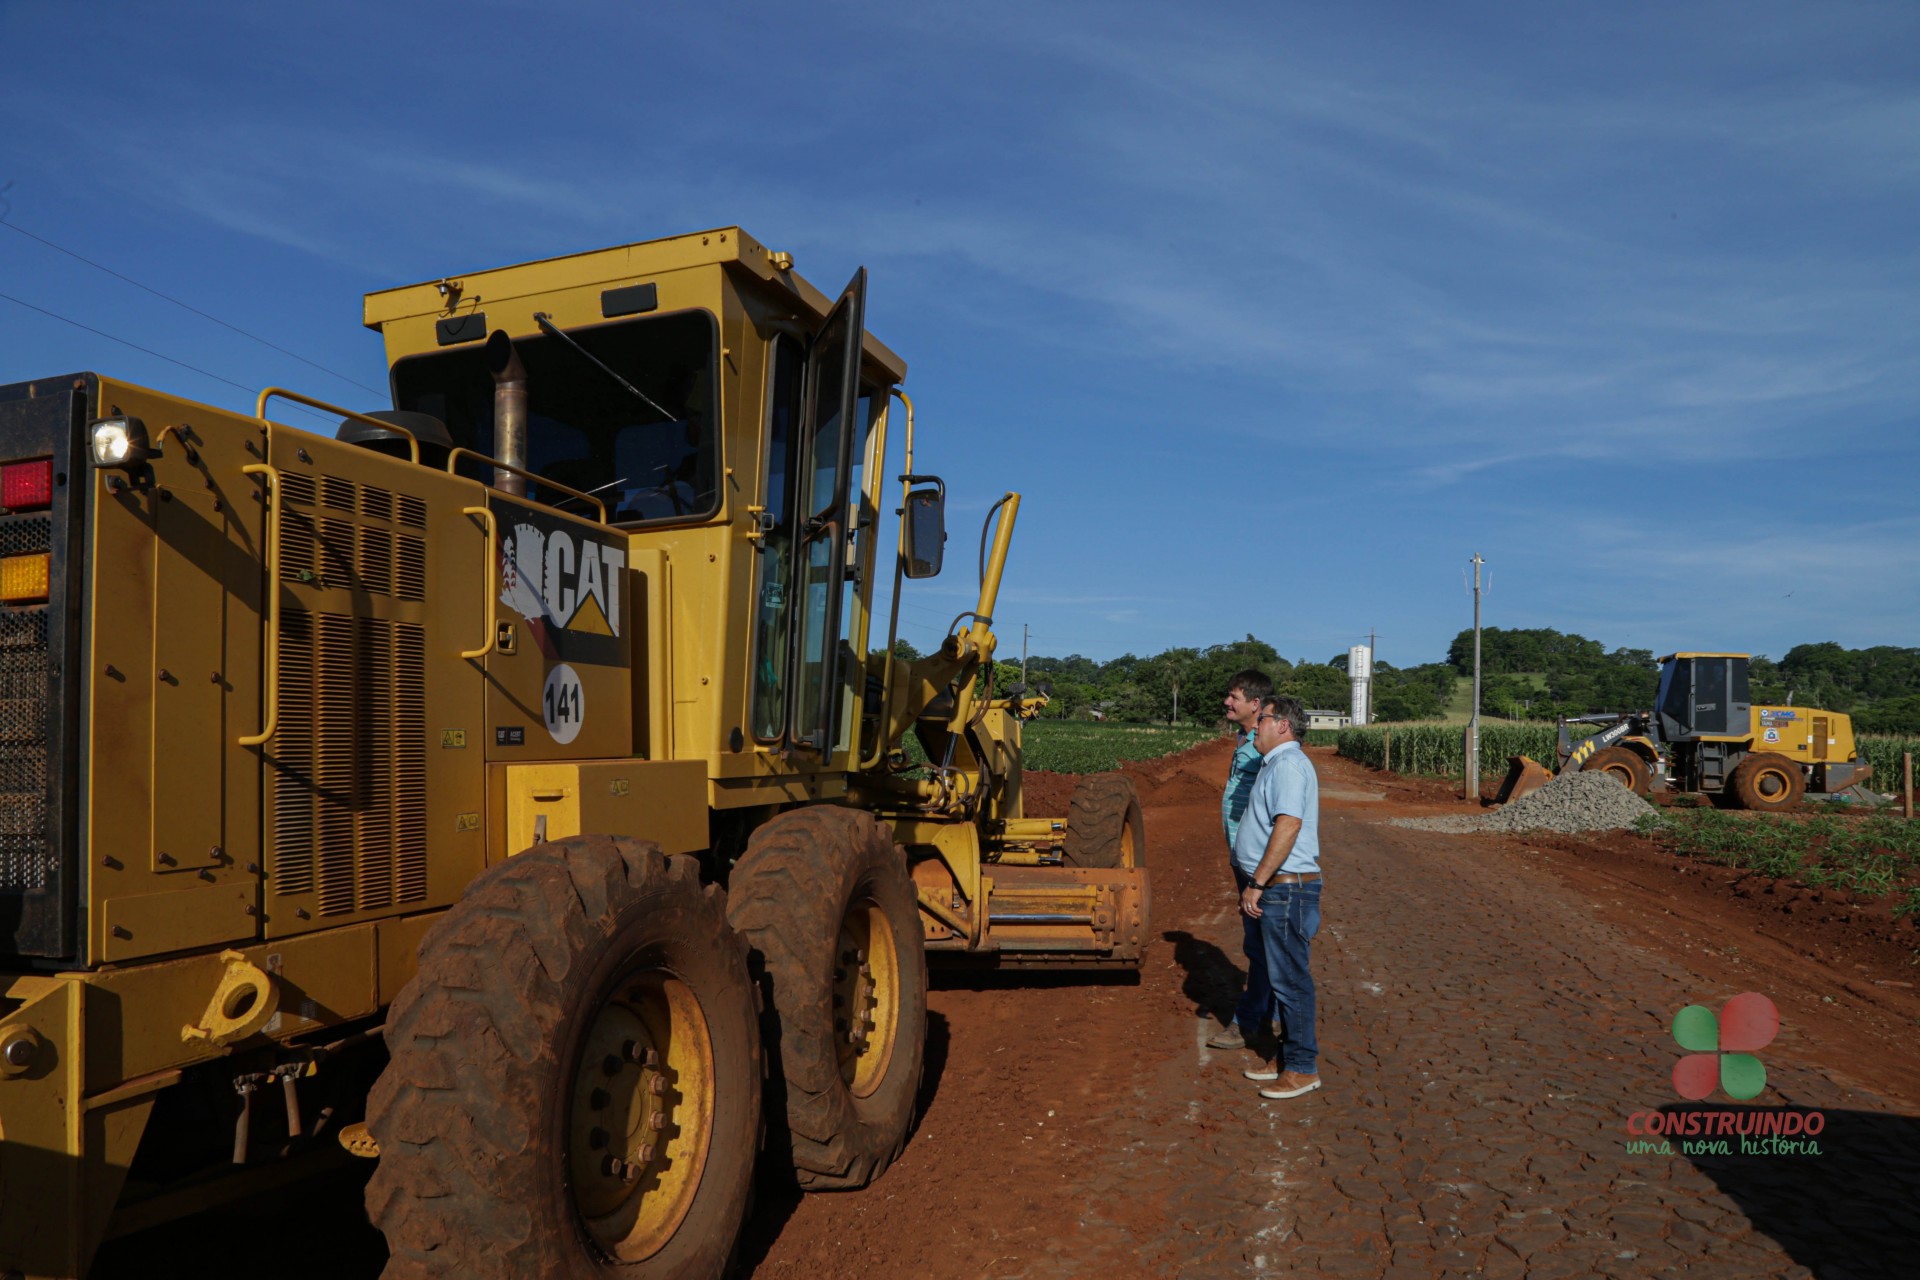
866, 988
640, 1116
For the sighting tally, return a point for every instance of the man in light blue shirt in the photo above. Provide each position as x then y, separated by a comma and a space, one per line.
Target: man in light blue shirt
1242, 704
1277, 849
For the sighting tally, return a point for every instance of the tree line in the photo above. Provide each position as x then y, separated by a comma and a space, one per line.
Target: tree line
1526, 674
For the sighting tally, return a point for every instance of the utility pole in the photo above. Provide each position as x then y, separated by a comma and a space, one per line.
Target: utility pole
1023, 655
1373, 667
1473, 719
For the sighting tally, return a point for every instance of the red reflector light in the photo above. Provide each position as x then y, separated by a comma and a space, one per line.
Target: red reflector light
26, 485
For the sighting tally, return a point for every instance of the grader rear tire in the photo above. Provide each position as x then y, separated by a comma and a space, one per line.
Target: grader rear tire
1767, 781
1104, 826
575, 1079
1624, 766
823, 899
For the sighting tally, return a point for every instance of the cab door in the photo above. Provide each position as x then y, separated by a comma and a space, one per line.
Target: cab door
822, 514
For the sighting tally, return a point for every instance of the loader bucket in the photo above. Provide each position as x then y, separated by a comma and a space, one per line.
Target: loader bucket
1524, 777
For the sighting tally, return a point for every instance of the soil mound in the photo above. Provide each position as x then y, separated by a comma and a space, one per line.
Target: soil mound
1572, 802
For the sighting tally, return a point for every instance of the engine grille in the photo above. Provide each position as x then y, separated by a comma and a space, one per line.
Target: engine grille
25, 850
349, 762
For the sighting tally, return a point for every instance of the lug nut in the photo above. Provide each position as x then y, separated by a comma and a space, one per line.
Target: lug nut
657, 1121
598, 1139
657, 1086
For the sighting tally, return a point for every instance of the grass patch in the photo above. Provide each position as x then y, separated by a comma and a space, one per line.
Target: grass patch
1873, 856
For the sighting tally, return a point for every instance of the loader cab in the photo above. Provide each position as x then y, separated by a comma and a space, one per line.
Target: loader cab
1703, 695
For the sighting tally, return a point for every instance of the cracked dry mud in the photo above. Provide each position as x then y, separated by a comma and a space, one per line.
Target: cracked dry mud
1493, 1009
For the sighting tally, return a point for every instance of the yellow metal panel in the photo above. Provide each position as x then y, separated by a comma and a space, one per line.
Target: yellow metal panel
543, 803
664, 801
660, 800
40, 1133
174, 643
152, 924
399, 946
134, 1016
373, 541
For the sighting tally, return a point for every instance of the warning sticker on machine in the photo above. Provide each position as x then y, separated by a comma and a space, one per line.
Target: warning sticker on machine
1772, 734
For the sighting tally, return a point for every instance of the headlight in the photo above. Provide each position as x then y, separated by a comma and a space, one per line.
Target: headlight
119, 442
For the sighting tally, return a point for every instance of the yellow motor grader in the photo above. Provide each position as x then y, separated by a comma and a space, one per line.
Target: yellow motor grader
509, 788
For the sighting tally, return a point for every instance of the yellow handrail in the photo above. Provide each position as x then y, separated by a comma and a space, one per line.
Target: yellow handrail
464, 452
260, 412
493, 567
272, 673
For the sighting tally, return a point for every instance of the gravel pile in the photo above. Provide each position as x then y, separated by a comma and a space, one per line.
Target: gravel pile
1571, 802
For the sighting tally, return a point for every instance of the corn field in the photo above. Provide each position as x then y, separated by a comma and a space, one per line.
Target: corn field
1440, 749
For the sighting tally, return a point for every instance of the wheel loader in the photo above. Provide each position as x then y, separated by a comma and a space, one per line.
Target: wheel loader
509, 787
1704, 735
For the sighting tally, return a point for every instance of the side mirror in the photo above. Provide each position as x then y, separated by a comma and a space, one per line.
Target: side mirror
924, 533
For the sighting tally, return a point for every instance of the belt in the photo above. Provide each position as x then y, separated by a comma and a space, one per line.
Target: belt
1292, 877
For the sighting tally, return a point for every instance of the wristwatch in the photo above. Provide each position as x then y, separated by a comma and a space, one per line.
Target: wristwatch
1262, 887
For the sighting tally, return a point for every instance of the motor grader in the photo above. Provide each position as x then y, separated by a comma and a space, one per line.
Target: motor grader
1705, 735
509, 788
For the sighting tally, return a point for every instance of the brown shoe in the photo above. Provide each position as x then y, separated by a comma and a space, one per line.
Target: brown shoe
1292, 1084
1228, 1037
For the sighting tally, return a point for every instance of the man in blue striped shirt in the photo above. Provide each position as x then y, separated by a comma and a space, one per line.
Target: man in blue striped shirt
1242, 704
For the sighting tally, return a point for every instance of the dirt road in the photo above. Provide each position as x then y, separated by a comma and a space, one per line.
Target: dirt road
1494, 1011
1494, 1015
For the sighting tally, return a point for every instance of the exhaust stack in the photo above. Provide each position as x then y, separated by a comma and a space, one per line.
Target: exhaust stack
509, 411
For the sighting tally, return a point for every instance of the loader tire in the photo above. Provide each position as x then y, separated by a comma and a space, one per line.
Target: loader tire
1624, 766
832, 924
1765, 780
1104, 826
583, 1002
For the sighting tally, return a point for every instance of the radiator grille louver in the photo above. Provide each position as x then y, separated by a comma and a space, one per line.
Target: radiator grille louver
345, 554
410, 577
350, 762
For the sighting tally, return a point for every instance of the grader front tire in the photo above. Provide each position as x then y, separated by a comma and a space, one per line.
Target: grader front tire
1766, 781
575, 1078
1104, 824
823, 899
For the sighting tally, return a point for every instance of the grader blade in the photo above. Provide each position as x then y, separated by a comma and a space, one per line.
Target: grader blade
1524, 777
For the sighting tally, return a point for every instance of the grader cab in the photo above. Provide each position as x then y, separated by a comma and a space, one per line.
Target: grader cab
507, 786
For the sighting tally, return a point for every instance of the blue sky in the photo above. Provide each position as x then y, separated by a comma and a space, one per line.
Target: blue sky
1274, 313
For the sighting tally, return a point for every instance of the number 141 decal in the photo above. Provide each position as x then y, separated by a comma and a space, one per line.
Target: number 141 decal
563, 704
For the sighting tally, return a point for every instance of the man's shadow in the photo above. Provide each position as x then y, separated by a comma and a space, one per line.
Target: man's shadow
1213, 982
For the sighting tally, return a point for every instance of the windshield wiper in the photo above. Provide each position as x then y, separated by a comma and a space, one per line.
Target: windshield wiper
552, 330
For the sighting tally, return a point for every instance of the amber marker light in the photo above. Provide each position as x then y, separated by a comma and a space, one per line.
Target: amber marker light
23, 579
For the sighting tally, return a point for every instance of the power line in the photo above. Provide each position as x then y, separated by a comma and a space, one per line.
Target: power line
99, 333
186, 307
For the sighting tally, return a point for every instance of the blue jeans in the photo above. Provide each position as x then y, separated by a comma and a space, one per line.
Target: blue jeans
1256, 1003
1289, 917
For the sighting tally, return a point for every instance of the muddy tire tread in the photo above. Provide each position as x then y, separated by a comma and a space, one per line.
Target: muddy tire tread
785, 898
